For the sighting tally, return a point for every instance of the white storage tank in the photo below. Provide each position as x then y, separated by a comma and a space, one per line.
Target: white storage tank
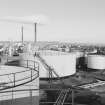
63, 63
27, 56
7, 79
96, 62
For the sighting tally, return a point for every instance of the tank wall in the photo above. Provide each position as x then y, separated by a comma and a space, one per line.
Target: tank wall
63, 64
21, 94
96, 62
24, 57
8, 78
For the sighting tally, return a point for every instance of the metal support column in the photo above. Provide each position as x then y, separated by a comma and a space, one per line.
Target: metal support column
31, 103
27, 63
31, 74
72, 97
50, 78
14, 79
12, 101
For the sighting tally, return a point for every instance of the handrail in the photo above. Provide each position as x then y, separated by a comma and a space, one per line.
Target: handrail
22, 71
8, 87
18, 90
48, 68
15, 73
21, 79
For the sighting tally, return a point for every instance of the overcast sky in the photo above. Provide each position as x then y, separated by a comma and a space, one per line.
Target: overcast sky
68, 20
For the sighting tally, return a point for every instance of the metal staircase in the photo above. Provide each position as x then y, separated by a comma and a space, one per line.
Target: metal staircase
47, 67
62, 96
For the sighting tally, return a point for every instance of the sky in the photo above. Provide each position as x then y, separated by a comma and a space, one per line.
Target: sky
81, 21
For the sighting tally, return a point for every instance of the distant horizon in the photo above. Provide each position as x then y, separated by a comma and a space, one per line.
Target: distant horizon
75, 43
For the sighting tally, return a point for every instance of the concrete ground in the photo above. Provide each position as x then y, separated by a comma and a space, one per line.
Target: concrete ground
22, 101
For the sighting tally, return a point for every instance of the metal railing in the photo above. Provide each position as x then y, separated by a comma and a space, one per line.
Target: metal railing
20, 78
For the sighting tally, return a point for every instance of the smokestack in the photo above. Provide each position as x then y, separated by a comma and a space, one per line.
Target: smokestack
35, 40
22, 34
36, 20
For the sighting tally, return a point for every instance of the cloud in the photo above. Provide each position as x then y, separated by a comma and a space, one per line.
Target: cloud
40, 19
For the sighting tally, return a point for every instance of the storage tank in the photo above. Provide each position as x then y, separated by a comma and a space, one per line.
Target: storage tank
21, 76
80, 59
27, 56
63, 63
96, 62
